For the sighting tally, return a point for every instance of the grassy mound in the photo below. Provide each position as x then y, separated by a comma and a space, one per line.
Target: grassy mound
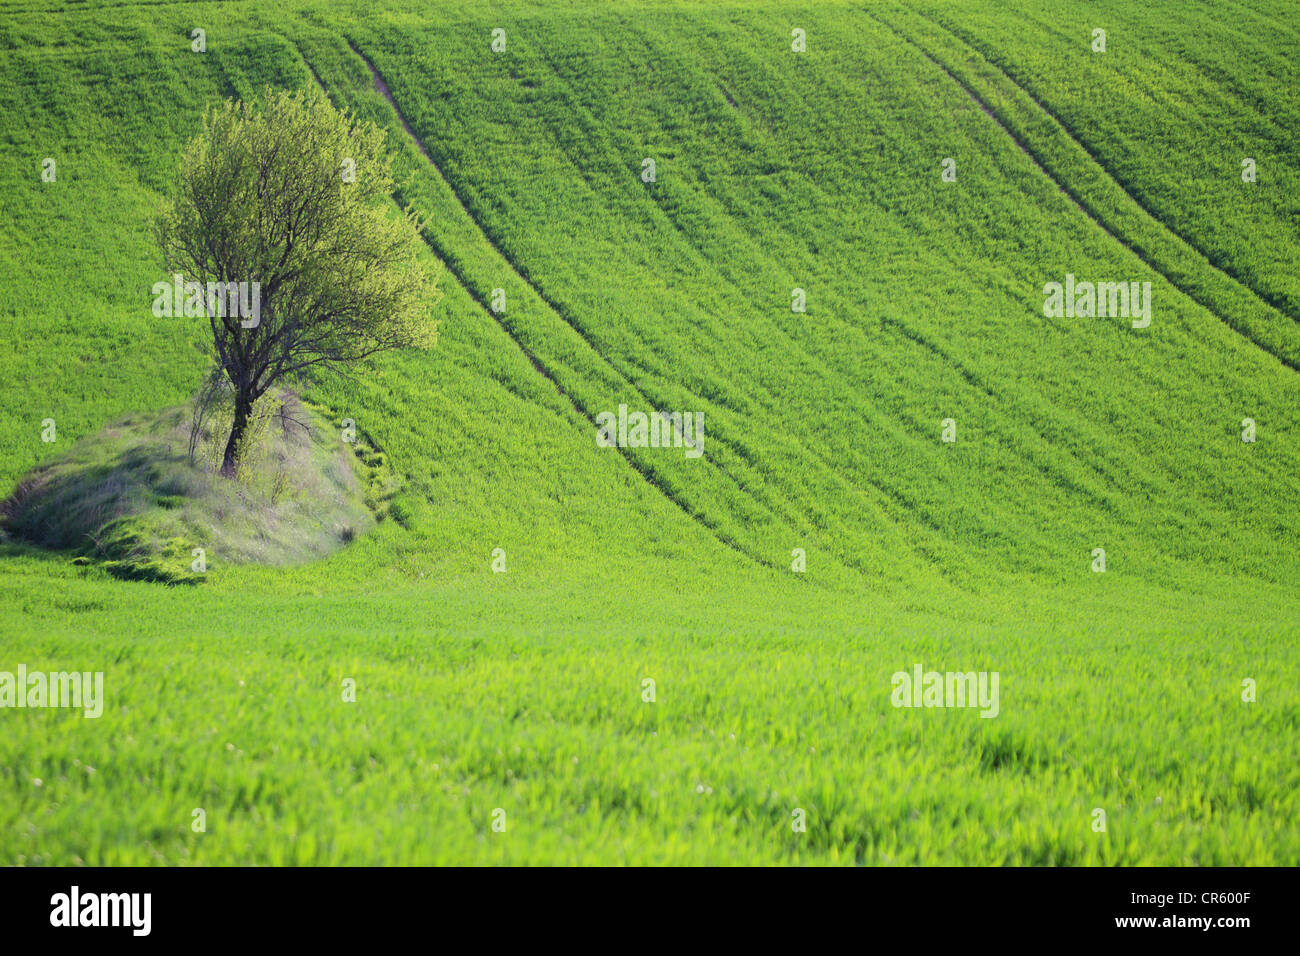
147, 502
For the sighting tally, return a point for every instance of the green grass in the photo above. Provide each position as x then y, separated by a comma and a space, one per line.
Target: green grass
523, 691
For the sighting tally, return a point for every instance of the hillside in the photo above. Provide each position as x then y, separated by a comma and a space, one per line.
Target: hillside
775, 171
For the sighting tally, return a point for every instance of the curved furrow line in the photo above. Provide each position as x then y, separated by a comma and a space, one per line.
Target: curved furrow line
449, 260
909, 337
780, 511
1090, 210
883, 500
1273, 301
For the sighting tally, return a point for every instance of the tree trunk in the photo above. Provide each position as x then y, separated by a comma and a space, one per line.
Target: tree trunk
243, 408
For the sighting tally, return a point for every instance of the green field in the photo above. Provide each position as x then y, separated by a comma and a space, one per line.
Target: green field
775, 170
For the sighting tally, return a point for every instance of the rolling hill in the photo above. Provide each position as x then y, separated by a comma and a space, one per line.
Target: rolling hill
575, 283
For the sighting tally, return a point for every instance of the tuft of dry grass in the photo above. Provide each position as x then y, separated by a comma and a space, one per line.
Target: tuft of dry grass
128, 497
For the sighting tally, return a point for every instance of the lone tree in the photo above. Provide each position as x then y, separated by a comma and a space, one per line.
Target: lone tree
295, 201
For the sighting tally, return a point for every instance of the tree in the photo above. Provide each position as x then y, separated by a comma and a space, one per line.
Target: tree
294, 201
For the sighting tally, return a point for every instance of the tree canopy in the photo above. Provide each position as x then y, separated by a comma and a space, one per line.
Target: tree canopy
292, 204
